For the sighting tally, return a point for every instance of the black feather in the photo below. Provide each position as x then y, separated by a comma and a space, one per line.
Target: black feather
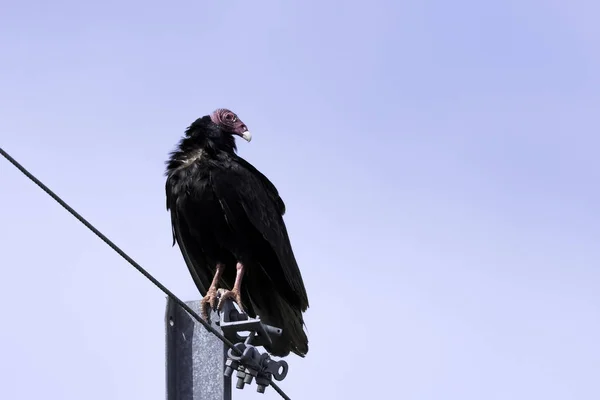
224, 210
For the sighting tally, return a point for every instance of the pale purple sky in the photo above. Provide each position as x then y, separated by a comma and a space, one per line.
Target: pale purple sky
439, 161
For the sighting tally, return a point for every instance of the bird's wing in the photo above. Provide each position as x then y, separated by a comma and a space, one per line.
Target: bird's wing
196, 264
188, 245
240, 184
271, 190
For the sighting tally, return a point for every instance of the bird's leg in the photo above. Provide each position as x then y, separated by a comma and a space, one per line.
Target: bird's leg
208, 302
234, 293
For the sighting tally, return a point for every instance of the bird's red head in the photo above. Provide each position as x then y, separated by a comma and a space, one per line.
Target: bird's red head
230, 122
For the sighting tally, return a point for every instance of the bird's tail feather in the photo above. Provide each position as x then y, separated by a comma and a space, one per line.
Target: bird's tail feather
281, 315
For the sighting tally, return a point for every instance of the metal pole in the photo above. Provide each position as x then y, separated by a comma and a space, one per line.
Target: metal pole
195, 358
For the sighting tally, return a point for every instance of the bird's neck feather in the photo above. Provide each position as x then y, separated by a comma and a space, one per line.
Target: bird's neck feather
194, 147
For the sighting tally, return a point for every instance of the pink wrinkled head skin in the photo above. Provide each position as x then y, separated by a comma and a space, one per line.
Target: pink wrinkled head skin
230, 122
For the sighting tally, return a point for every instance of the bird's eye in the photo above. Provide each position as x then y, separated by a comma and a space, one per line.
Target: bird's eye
234, 119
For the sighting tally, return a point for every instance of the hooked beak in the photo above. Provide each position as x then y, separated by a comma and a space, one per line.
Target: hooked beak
247, 136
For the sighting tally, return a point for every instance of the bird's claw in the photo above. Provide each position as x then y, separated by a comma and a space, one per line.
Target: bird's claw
234, 294
208, 303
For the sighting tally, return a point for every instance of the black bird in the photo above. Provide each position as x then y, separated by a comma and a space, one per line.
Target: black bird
227, 219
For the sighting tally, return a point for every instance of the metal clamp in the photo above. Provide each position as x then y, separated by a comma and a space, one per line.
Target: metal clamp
246, 359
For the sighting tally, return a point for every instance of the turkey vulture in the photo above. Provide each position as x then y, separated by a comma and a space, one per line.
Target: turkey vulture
227, 219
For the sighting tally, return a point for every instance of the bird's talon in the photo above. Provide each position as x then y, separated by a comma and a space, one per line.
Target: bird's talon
230, 294
208, 303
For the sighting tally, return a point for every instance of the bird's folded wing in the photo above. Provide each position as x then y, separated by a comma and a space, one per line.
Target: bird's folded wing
195, 262
240, 184
188, 245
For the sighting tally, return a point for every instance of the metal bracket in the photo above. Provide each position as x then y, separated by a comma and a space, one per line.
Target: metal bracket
247, 360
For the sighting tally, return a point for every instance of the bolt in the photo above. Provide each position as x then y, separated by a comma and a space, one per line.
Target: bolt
241, 375
230, 365
240, 383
